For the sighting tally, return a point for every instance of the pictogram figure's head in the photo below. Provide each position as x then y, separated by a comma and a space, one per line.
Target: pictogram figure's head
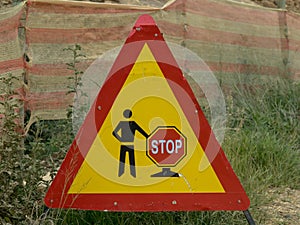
127, 113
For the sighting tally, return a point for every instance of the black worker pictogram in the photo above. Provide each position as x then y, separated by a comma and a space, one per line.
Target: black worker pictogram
125, 132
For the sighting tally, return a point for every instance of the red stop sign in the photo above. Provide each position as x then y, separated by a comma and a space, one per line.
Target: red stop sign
166, 146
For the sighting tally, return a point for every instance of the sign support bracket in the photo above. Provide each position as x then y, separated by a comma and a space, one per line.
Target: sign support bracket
249, 217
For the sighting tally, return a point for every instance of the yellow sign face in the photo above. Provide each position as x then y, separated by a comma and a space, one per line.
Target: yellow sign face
146, 101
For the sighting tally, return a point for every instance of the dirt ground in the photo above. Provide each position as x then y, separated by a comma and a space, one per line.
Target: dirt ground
292, 5
284, 207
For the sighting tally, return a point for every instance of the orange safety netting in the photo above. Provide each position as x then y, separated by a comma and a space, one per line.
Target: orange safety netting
235, 40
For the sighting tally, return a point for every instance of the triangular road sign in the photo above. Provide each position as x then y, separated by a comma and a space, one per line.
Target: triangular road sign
145, 144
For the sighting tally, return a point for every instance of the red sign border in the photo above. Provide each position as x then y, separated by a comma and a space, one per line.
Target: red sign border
234, 198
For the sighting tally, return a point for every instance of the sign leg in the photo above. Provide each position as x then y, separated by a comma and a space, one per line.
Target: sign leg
249, 217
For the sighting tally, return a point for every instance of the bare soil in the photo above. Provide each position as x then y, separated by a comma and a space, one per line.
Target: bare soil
291, 5
284, 207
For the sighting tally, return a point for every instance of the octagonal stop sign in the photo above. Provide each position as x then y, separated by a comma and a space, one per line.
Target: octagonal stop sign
166, 146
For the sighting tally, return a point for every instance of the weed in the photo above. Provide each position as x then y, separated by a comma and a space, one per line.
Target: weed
76, 83
14, 164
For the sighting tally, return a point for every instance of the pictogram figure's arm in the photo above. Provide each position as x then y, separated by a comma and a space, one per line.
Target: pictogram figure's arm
139, 129
115, 132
